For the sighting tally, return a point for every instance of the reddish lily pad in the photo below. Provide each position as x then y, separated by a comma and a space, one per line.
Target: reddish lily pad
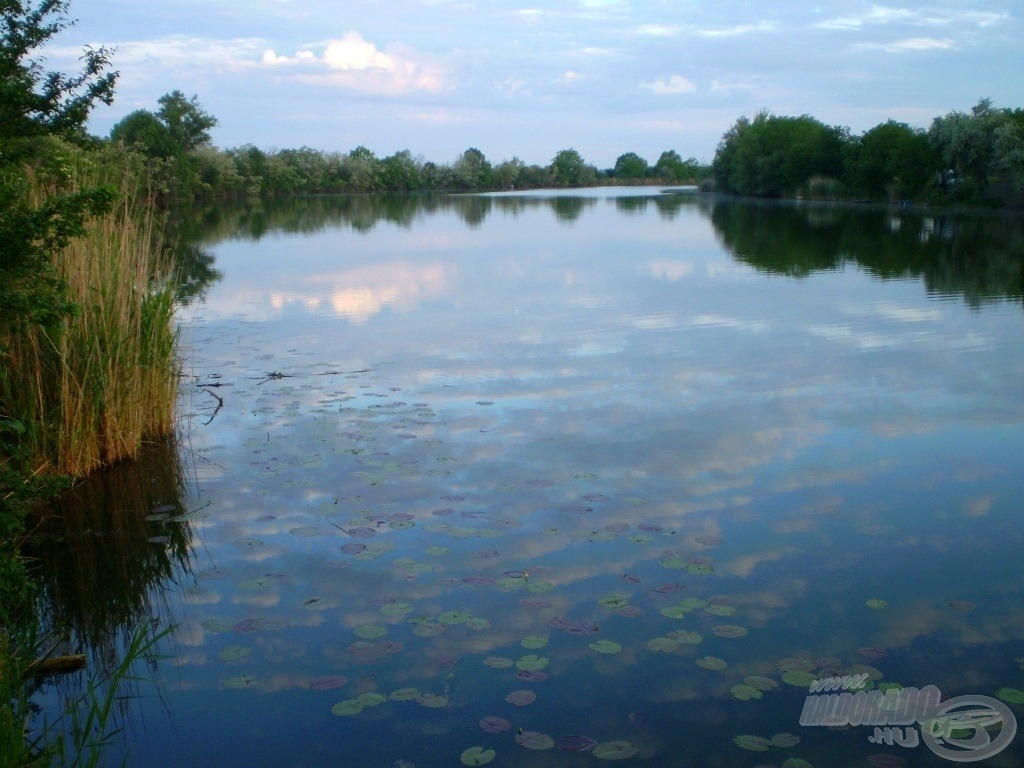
521, 698
576, 743
327, 682
498, 662
495, 724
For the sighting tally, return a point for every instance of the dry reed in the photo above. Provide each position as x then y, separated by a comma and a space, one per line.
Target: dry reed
94, 390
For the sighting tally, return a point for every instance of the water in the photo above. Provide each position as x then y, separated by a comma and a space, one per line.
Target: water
638, 455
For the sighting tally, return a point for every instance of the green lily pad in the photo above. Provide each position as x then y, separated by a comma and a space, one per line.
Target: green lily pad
370, 631
371, 699
753, 743
478, 623
477, 756
712, 662
760, 682
605, 646
614, 750
396, 609
686, 637
796, 762
1011, 695
663, 645
454, 617
674, 612
718, 609
540, 587
532, 662
877, 603
405, 694
218, 626
785, 740
534, 740
746, 692
613, 601
674, 562
347, 708
799, 678
510, 583
699, 569
438, 551
534, 641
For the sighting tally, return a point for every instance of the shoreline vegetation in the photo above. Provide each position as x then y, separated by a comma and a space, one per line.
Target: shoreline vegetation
89, 363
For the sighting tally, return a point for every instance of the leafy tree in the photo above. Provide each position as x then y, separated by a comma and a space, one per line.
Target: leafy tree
568, 169
630, 166
472, 170
772, 156
34, 105
363, 170
507, 173
400, 172
188, 126
892, 160
672, 168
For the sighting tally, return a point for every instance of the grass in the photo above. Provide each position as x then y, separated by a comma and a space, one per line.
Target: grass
93, 391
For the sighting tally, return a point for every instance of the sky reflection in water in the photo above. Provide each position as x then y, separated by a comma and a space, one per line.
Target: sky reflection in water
515, 419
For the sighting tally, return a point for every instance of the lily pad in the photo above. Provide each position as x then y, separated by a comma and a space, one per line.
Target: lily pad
396, 609
327, 682
371, 699
799, 678
718, 609
575, 743
478, 623
785, 740
877, 603
615, 750
686, 637
495, 724
217, 626
370, 631
432, 700
532, 662
663, 645
605, 646
534, 740
427, 629
752, 743
498, 662
347, 708
521, 698
478, 756
534, 641
1011, 695
712, 662
613, 601
405, 694
449, 618
729, 630
796, 762
760, 682
746, 692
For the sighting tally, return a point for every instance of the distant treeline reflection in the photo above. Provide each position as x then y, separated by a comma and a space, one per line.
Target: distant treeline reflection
979, 256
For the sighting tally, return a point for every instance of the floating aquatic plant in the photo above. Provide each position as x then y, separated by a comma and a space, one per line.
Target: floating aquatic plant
534, 740
614, 750
605, 646
477, 756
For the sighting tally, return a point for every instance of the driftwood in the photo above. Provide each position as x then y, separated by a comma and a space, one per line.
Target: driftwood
57, 665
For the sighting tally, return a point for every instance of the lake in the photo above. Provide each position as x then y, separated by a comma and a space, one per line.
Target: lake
610, 476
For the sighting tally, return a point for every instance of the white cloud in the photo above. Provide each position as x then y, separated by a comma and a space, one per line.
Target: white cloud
353, 62
876, 15
911, 45
675, 84
658, 30
740, 29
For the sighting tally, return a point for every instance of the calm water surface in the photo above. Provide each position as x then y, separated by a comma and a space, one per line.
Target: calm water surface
530, 474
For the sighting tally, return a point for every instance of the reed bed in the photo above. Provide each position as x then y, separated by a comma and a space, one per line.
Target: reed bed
94, 390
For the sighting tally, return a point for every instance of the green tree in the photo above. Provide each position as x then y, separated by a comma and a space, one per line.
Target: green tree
892, 161
772, 156
631, 167
472, 170
34, 105
568, 169
507, 173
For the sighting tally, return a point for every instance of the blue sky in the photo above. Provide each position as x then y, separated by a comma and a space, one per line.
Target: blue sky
528, 78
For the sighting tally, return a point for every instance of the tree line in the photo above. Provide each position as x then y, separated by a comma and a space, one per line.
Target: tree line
972, 157
176, 141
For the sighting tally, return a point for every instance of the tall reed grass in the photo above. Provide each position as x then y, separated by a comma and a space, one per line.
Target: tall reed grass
94, 390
